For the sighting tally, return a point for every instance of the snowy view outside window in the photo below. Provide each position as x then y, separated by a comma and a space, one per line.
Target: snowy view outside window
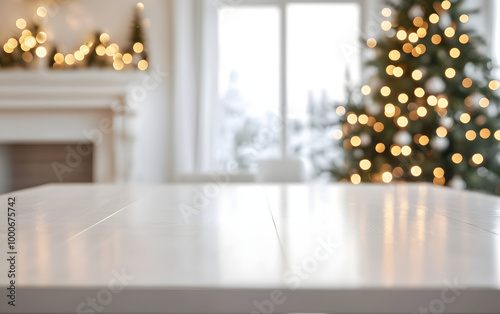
318, 69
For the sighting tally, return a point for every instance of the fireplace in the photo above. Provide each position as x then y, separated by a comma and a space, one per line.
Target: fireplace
68, 126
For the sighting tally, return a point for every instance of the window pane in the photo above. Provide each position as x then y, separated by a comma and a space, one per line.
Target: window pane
249, 59
323, 47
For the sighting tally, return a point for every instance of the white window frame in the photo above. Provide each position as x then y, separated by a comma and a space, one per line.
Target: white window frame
282, 6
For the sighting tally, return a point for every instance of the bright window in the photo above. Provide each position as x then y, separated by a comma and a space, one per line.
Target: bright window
283, 62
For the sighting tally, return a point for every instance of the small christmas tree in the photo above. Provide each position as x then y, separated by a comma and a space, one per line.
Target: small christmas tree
430, 113
137, 49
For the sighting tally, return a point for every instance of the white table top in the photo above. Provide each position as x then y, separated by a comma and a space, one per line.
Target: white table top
328, 248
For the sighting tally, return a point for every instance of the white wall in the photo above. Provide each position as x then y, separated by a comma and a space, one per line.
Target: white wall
72, 21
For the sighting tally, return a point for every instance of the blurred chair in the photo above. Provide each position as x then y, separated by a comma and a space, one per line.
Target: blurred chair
288, 170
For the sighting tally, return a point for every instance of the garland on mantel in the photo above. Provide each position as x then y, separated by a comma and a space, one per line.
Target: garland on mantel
30, 49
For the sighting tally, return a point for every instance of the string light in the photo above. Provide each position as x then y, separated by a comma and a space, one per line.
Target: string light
371, 43
401, 34
79, 56
477, 159
398, 71
470, 135
340, 109
432, 100
434, 18
21, 23
464, 18
394, 55
100, 50
413, 37
395, 150
446, 4
423, 140
419, 92
436, 39
386, 12
442, 103
416, 171
406, 150
450, 73
465, 118
438, 172
41, 52
418, 21
365, 164
355, 141
363, 119
485, 133
104, 38
484, 102
70, 59
390, 69
441, 131
41, 12
41, 37
402, 122
454, 53
366, 90
380, 148
463, 39
389, 110
439, 181
407, 47
356, 178
387, 177
457, 158
421, 32
417, 75
352, 118
403, 98
467, 82
385, 91
494, 85
378, 127
449, 32
422, 112
386, 25
59, 58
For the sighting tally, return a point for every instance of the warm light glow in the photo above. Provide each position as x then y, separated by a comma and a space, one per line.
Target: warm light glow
30, 42
85, 49
138, 47
464, 18
477, 159
27, 57
378, 127
402, 122
140, 6
363, 119
371, 43
356, 178
386, 25
484, 102
389, 110
413, 37
41, 12
419, 92
355, 141
470, 135
449, 32
41, 37
59, 58
494, 85
79, 56
390, 69
70, 59
418, 21
436, 39
457, 158
403, 98
454, 53
416, 75
21, 23
387, 177
394, 55
421, 32
497, 135
398, 172
340, 109
352, 118
423, 140
465, 118
446, 4
380, 148
485, 133
111, 50
406, 150
442, 103
467, 82
41, 52
463, 39
439, 181
104, 38
100, 50
434, 18
7, 48
366, 90
422, 112
337, 134
365, 164
432, 100
438, 172
118, 65
408, 48
143, 65
416, 171
395, 150
450, 73
385, 91
398, 71
441, 131
401, 34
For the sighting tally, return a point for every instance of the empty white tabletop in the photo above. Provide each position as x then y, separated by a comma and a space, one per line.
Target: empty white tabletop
409, 248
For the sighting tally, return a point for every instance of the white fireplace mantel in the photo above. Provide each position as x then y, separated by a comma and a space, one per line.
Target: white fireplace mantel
96, 106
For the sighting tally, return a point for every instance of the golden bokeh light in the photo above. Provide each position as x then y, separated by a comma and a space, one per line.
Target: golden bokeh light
413, 37
41, 52
454, 53
422, 112
457, 158
407, 47
465, 118
352, 118
470, 135
389, 110
449, 32
380, 148
464, 18
70, 59
394, 55
118, 65
417, 75
59, 58
395, 150
436, 39
386, 25
41, 37
104, 38
497, 135
356, 178
387, 177
441, 131
463, 39
432, 100
403, 98
438, 172
398, 172
484, 102
401, 34
477, 159
363, 119
421, 32
442, 103
386, 12
446, 4
100, 50
79, 56
434, 18
366, 90
41, 11
398, 71
406, 150
423, 140
378, 127
143, 65
402, 122
138, 47
418, 21
485, 133
416, 171
355, 141
390, 69
365, 164
340, 109
371, 43
385, 91
21, 23
419, 92
450, 73
494, 85
467, 82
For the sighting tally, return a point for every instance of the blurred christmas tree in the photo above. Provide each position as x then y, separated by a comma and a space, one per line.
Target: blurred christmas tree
430, 113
